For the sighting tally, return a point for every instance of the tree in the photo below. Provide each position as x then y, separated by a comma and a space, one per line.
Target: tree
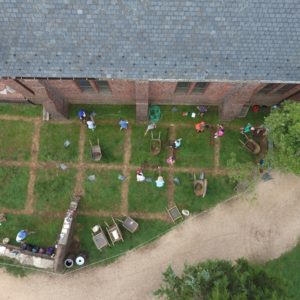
283, 126
241, 174
221, 280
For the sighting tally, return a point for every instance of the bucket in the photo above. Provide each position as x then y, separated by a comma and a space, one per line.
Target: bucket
185, 212
80, 260
69, 262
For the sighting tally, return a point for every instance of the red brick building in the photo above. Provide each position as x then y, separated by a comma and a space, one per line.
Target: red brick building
231, 98
230, 55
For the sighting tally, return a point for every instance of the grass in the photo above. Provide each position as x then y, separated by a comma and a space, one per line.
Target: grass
195, 150
13, 187
255, 119
13, 267
107, 112
46, 229
140, 146
111, 141
52, 141
102, 194
211, 117
148, 230
20, 109
145, 196
287, 266
219, 189
230, 143
16, 137
54, 189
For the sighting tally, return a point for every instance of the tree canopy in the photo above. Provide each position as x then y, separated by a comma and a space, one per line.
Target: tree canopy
221, 280
283, 126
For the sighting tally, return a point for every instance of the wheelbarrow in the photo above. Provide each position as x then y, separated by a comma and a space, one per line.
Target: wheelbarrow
251, 145
155, 144
200, 185
96, 151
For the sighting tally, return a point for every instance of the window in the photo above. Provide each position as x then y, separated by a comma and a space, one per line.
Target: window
286, 88
199, 88
182, 87
84, 85
268, 88
103, 85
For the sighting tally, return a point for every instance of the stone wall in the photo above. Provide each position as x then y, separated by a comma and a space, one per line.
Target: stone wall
27, 258
66, 235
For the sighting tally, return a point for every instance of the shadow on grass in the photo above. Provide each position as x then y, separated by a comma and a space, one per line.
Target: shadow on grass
107, 112
21, 109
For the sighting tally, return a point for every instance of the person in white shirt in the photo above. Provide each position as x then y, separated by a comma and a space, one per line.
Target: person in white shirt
140, 176
91, 125
151, 126
159, 182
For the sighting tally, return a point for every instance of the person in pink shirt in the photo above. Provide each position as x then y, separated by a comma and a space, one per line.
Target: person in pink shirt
220, 131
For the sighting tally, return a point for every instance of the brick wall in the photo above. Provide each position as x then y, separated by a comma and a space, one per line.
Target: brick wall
15, 97
271, 99
124, 92
164, 93
296, 97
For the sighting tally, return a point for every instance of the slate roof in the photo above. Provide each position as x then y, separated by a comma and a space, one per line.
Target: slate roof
156, 40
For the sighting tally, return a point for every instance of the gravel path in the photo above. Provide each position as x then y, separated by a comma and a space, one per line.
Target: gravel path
260, 227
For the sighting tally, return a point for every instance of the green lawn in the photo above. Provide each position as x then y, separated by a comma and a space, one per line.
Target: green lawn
288, 266
102, 194
140, 146
105, 112
13, 187
255, 119
46, 229
52, 141
230, 143
13, 267
111, 141
16, 137
148, 230
20, 109
168, 116
219, 189
54, 189
145, 196
196, 149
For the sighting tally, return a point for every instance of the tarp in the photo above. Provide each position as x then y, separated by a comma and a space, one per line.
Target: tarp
154, 113
21, 235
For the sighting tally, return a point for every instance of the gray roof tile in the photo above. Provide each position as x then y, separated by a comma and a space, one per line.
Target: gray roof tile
142, 39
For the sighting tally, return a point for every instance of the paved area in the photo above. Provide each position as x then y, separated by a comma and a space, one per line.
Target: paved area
259, 226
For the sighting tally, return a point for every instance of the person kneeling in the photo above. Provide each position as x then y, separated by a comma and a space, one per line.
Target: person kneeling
140, 176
